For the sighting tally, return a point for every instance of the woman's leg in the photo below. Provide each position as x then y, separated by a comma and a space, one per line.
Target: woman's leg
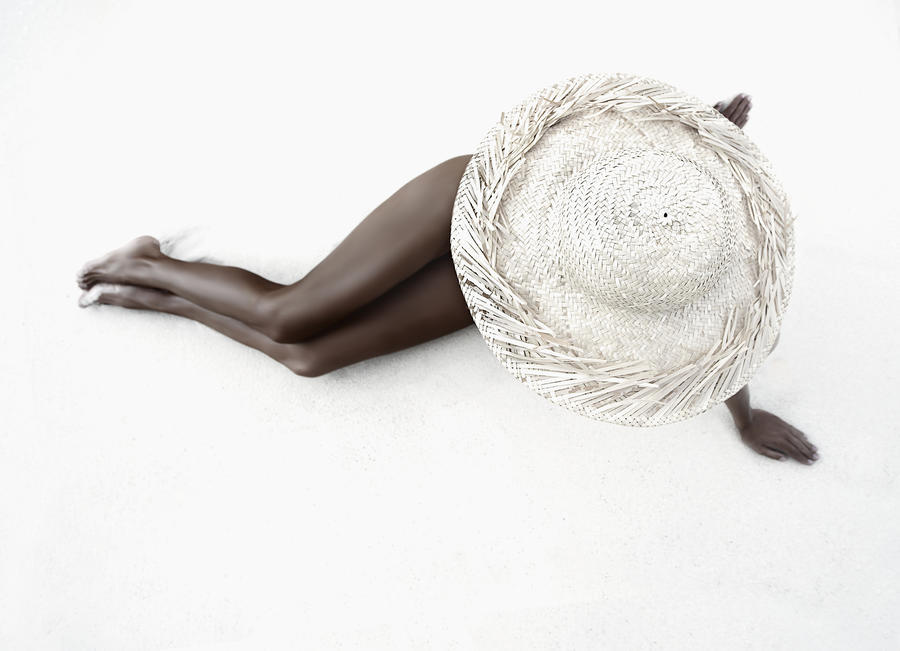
425, 306
405, 232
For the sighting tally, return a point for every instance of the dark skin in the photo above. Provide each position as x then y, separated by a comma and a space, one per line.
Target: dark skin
390, 284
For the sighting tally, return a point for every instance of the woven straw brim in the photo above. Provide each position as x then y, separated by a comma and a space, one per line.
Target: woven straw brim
672, 354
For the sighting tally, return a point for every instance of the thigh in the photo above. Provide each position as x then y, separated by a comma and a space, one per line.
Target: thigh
425, 306
407, 230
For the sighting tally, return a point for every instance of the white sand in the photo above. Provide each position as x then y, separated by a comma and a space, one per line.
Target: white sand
162, 487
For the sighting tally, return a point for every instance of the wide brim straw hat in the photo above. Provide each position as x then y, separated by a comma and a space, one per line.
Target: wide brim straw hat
624, 249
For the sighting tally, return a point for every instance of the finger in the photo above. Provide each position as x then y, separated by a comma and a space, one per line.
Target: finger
792, 450
718, 106
763, 450
803, 445
742, 107
733, 104
807, 454
729, 108
803, 438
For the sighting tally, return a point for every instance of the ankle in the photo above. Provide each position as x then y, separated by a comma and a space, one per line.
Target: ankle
142, 270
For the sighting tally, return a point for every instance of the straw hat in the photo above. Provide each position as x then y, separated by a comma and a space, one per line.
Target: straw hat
624, 249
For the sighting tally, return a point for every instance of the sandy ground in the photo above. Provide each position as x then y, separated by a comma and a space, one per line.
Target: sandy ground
163, 487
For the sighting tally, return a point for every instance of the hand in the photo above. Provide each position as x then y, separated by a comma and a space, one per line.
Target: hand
736, 110
768, 435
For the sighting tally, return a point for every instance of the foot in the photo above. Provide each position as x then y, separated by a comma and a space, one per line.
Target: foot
770, 436
737, 110
116, 266
130, 296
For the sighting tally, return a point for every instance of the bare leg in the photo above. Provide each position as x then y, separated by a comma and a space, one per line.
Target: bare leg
405, 232
425, 306
408, 230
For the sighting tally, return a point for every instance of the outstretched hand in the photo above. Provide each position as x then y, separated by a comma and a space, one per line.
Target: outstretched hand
769, 435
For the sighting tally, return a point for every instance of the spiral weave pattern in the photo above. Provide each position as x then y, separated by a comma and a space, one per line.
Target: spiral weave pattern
624, 249
654, 248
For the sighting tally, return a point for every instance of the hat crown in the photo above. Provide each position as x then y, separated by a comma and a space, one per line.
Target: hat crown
564, 276
643, 229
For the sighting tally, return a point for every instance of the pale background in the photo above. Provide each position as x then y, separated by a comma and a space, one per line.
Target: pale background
163, 487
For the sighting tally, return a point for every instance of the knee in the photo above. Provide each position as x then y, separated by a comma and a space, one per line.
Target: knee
303, 361
278, 322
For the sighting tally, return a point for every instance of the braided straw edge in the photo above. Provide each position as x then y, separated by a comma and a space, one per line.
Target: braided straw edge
625, 392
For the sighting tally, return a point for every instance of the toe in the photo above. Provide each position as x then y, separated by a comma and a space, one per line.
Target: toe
94, 295
110, 294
